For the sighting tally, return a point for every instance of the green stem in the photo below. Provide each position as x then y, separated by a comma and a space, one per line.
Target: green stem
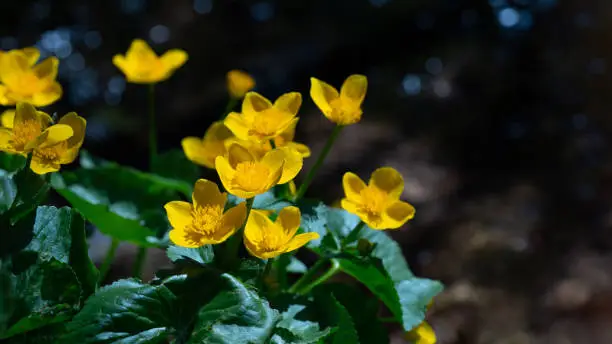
264, 274
152, 127
335, 267
313, 171
230, 106
108, 260
354, 234
141, 257
308, 276
233, 244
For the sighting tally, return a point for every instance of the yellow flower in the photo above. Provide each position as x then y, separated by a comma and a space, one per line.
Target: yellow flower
246, 175
142, 66
204, 222
266, 239
25, 128
60, 146
422, 334
22, 80
261, 120
204, 151
285, 139
342, 108
377, 204
7, 118
239, 83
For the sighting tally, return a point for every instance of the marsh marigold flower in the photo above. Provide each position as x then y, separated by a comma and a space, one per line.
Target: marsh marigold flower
52, 150
266, 239
422, 334
21, 132
141, 65
7, 118
204, 151
377, 204
22, 80
283, 141
342, 108
261, 120
239, 83
245, 175
204, 222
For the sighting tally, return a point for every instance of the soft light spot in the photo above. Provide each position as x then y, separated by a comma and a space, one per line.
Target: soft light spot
434, 65
116, 85
159, 34
202, 6
262, 11
132, 6
442, 88
75, 62
508, 17
411, 84
93, 39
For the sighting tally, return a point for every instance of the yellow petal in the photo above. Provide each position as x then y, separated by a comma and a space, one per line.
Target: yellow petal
235, 122
4, 98
322, 94
257, 224
231, 221
194, 151
207, 193
51, 136
354, 89
189, 239
78, 124
274, 160
388, 180
397, 214
179, 214
253, 103
174, 58
24, 112
120, 62
239, 83
292, 166
40, 166
300, 240
6, 136
7, 118
289, 219
422, 334
237, 153
47, 69
300, 148
49, 96
352, 185
226, 173
32, 55
217, 132
289, 102
350, 206
140, 50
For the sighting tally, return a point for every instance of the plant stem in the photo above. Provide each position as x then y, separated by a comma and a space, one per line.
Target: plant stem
313, 171
231, 104
233, 244
264, 274
152, 127
354, 234
308, 275
141, 257
335, 267
108, 260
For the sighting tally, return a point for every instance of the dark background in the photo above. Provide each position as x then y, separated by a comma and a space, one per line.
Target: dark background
496, 112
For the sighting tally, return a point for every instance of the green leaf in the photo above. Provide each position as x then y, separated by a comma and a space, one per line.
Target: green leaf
264, 201
11, 162
290, 329
202, 255
121, 202
22, 191
385, 272
236, 315
174, 165
346, 332
45, 272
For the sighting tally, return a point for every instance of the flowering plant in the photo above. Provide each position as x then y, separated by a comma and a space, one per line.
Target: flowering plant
237, 276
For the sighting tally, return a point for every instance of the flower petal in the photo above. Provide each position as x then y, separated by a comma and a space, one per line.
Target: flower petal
397, 214
40, 166
189, 239
289, 102
231, 221
121, 62
78, 124
350, 206
50, 95
179, 214
7, 118
322, 94
6, 135
194, 151
255, 102
289, 219
352, 185
32, 54
354, 89
207, 193
226, 173
292, 166
47, 69
51, 136
237, 153
217, 132
300, 240
174, 58
300, 148
274, 160
388, 180
257, 224
236, 123
139, 49
24, 112
239, 83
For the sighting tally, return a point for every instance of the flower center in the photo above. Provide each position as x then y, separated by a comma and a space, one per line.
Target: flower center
206, 219
266, 124
25, 133
251, 175
271, 239
51, 155
373, 201
27, 84
344, 112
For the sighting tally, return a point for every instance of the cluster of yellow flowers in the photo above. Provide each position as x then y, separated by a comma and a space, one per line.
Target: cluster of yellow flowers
27, 131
